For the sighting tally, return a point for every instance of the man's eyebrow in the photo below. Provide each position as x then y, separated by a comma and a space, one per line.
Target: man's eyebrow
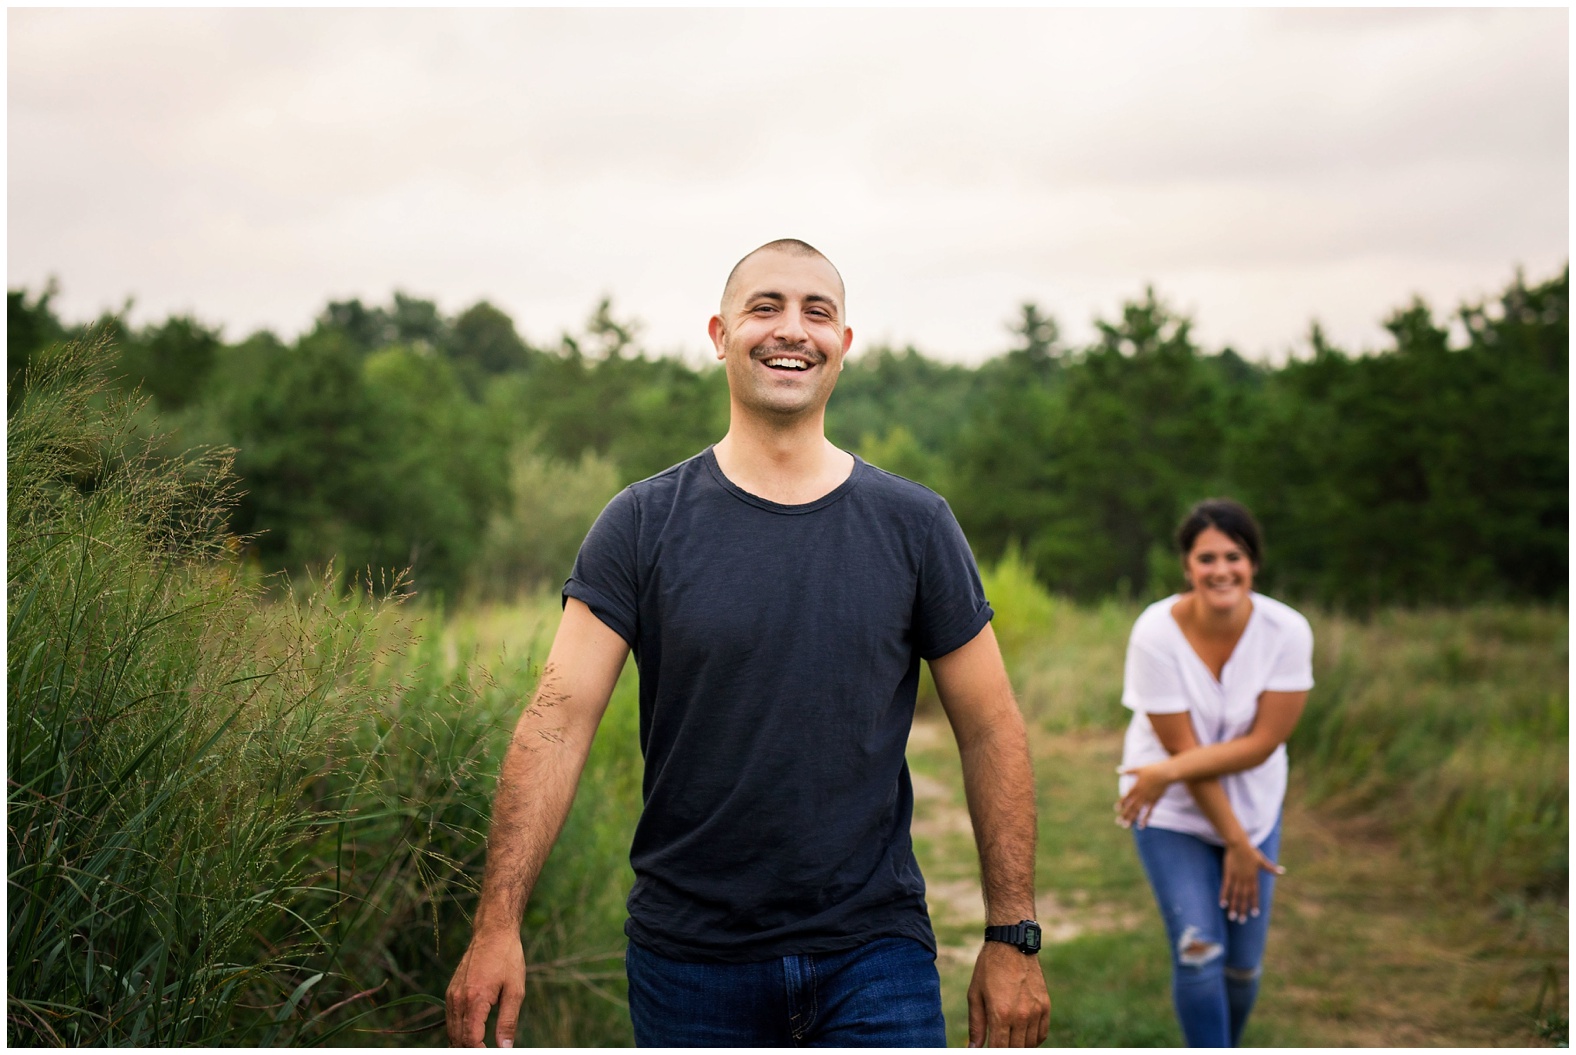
773, 295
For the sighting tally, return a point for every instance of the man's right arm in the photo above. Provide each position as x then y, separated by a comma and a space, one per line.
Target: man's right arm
535, 789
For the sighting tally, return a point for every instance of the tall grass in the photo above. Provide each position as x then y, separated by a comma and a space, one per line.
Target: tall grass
159, 722
407, 849
238, 817
1454, 727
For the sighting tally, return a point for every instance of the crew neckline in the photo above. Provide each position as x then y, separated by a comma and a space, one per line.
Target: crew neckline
709, 458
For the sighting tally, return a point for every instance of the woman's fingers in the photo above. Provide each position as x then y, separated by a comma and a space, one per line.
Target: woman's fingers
1247, 901
1233, 898
1239, 886
1132, 811
1133, 808
1139, 802
1247, 897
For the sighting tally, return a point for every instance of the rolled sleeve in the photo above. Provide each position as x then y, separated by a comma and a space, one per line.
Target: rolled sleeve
605, 573
951, 608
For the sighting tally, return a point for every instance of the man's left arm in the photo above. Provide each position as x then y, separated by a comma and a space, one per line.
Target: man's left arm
1008, 1002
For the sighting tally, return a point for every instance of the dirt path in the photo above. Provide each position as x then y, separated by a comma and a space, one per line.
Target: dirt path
1364, 951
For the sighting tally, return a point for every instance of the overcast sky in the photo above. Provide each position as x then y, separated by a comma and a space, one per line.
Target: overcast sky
1261, 168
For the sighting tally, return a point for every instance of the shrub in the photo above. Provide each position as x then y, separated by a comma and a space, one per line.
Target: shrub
534, 540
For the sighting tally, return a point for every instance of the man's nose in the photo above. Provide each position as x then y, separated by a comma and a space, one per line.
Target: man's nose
790, 326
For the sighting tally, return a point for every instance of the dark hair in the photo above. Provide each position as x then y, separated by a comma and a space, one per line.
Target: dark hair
1224, 515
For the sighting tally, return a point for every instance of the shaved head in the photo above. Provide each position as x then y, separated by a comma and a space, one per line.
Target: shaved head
791, 246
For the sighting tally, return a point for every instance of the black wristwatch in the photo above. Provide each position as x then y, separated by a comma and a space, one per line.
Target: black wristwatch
1024, 935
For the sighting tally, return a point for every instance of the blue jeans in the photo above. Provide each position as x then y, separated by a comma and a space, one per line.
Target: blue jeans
882, 994
1215, 964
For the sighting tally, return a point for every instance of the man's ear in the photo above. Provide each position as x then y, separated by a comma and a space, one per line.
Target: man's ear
714, 328
848, 338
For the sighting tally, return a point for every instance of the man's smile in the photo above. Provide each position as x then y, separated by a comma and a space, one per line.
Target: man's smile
783, 359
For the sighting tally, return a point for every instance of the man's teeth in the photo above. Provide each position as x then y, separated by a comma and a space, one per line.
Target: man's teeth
793, 364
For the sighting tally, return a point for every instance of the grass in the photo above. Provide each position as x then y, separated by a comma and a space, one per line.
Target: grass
1455, 726
159, 723
241, 815
402, 834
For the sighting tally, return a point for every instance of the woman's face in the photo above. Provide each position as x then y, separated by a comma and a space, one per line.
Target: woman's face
1219, 569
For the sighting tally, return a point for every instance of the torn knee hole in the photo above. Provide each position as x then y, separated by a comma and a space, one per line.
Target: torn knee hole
1195, 950
1243, 974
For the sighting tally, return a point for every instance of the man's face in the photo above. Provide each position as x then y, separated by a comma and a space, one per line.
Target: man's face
781, 333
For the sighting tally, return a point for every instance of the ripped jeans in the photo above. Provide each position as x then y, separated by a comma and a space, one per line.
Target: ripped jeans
1215, 964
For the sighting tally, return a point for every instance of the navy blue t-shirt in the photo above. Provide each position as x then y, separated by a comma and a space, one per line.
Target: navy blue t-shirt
778, 649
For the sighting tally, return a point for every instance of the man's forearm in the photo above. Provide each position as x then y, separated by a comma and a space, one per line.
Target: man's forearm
1008, 1004
998, 780
536, 787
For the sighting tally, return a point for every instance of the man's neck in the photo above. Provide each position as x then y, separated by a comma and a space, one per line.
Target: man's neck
790, 463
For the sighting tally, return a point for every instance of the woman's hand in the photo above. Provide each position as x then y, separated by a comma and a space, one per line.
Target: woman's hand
1239, 887
1139, 802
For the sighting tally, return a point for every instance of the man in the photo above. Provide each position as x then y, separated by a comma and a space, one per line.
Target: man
778, 594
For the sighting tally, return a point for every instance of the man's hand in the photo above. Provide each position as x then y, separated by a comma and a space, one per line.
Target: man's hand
492, 972
1008, 1004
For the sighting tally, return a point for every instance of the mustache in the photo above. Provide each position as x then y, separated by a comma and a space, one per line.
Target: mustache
762, 351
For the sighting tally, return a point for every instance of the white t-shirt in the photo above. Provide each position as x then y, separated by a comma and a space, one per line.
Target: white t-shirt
1165, 676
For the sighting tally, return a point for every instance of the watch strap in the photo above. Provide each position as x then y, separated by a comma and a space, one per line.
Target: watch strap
1023, 935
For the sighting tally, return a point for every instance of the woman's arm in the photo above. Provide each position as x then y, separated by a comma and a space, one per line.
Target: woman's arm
1239, 888
1276, 717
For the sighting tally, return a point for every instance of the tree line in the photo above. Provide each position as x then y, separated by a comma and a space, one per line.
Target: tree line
1433, 470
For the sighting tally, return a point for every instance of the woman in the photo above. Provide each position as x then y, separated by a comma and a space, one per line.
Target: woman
1216, 677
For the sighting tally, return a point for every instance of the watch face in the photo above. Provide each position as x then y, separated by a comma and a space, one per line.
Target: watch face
1031, 939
